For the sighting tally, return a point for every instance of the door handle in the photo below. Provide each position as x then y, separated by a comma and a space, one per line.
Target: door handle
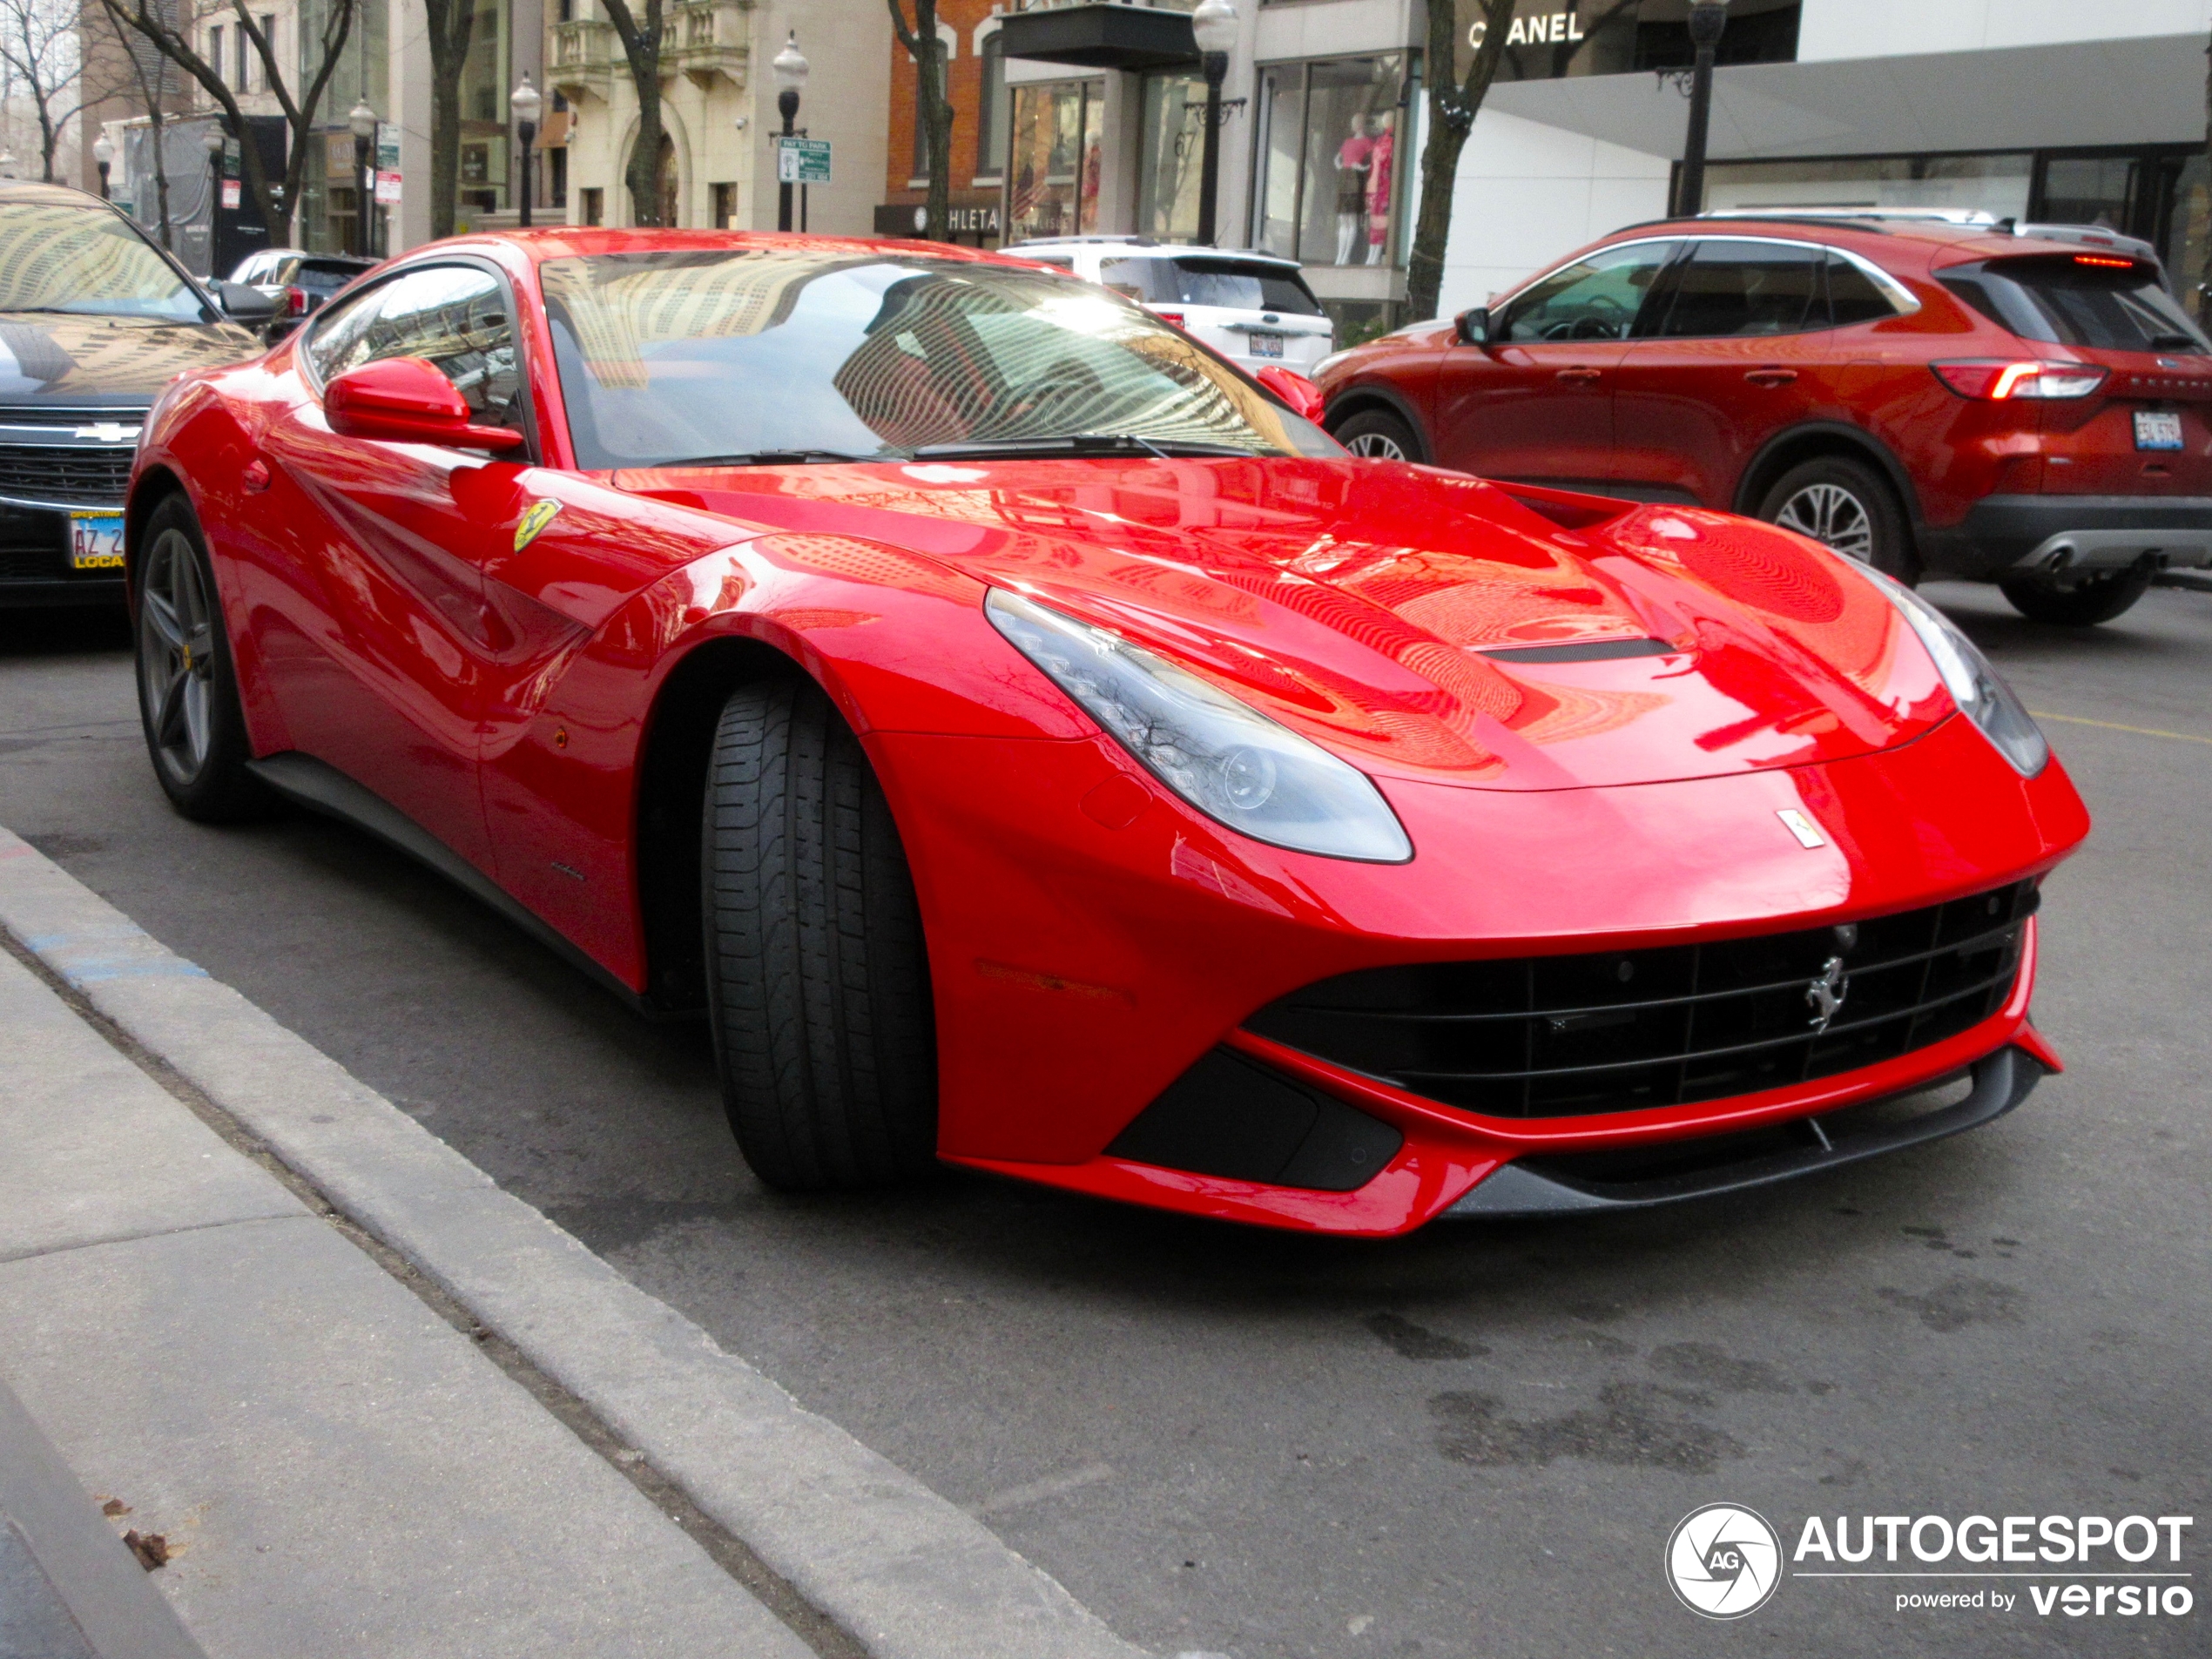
1580, 375
1771, 376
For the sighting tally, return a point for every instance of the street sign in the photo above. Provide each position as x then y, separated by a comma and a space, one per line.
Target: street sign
388, 146
387, 188
803, 161
230, 193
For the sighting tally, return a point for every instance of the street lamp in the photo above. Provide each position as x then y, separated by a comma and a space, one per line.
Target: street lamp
103, 158
790, 70
1213, 26
362, 120
524, 103
1707, 19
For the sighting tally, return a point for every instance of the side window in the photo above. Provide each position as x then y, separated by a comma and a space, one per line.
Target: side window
1597, 298
1852, 296
453, 316
1727, 289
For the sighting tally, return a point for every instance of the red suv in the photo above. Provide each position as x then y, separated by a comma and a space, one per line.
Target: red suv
1937, 398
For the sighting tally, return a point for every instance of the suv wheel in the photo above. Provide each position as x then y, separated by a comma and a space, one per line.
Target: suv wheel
1847, 506
2088, 602
1379, 435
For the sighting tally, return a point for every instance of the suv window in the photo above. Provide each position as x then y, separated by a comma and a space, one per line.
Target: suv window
2080, 299
1595, 298
1853, 296
1729, 288
455, 316
1246, 285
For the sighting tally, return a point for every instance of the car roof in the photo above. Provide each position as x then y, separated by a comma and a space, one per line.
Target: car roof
22, 190
1933, 237
572, 241
1147, 248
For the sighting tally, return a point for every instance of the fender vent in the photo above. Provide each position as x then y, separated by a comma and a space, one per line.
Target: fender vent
1232, 1117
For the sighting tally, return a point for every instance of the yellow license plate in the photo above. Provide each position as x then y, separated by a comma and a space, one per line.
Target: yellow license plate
96, 540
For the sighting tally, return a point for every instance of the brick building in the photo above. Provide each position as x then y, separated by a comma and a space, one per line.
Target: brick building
977, 80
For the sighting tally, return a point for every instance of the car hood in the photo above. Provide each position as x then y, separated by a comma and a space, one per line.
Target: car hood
1419, 622
47, 360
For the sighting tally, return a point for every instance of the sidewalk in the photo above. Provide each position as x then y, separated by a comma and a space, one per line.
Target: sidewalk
332, 1468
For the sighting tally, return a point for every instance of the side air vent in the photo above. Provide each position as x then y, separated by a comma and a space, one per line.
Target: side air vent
1232, 1118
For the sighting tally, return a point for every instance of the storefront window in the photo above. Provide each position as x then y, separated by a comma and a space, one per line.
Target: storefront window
1331, 170
1170, 156
1995, 184
1055, 154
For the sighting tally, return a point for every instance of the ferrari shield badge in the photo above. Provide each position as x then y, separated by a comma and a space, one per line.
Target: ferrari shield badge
535, 519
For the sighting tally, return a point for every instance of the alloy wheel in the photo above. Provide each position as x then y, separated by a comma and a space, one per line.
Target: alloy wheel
1831, 514
177, 656
1379, 445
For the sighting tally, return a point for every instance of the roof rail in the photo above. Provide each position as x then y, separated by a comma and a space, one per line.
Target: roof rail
1963, 216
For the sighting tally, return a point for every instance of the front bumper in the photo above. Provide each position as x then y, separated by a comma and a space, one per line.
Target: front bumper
2054, 537
34, 559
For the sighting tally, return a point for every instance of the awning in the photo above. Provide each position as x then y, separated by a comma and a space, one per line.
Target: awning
1102, 37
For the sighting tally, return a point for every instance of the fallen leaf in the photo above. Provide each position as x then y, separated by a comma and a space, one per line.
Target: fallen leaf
151, 1548
115, 1506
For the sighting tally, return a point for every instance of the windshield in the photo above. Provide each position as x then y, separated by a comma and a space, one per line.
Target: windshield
88, 261
668, 357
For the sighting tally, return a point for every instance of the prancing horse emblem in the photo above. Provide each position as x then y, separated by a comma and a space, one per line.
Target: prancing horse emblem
539, 515
1825, 994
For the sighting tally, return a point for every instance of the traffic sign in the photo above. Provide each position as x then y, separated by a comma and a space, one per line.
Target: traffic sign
803, 161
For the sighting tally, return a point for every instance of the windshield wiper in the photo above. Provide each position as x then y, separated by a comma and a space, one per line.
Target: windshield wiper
778, 458
1076, 443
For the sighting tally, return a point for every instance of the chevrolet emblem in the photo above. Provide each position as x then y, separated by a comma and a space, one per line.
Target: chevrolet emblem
109, 431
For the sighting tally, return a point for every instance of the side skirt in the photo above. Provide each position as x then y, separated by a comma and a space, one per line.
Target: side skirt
320, 787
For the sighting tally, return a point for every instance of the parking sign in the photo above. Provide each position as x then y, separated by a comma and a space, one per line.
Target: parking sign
803, 161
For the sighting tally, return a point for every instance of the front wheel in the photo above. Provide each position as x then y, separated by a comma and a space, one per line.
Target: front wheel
818, 984
1847, 506
2088, 602
1379, 435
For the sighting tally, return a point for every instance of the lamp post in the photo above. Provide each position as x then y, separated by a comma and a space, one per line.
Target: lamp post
524, 103
1213, 26
362, 120
1707, 19
103, 158
790, 69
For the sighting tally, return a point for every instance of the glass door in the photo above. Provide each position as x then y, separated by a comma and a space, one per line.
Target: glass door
1058, 153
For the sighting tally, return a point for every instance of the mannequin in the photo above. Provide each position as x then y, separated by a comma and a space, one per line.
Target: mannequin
1379, 184
1352, 158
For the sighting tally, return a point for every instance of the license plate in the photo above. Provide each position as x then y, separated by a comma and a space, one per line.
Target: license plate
1266, 345
95, 542
2158, 429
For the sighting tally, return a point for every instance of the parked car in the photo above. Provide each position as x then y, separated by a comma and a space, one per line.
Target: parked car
1253, 308
1935, 397
1028, 744
299, 283
95, 320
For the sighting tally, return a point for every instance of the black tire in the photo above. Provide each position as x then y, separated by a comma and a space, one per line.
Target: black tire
817, 983
1849, 506
1380, 434
2088, 602
188, 702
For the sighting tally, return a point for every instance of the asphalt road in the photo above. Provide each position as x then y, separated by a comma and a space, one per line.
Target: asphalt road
1473, 1442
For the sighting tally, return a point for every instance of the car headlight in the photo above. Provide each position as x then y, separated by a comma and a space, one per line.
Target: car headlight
1231, 762
1973, 685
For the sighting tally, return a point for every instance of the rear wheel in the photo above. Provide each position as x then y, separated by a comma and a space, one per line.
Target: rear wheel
1847, 506
188, 700
1380, 435
818, 985
2088, 602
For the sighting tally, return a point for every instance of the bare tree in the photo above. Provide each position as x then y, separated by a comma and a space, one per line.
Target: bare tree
151, 21
41, 55
641, 45
924, 45
453, 23
149, 75
2204, 276
1453, 104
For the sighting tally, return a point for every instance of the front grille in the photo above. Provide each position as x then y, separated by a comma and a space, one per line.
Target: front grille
1564, 1037
89, 477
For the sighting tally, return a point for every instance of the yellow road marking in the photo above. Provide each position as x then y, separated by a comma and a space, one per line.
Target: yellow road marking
2115, 726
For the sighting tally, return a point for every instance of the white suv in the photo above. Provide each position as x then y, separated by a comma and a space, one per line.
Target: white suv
1253, 308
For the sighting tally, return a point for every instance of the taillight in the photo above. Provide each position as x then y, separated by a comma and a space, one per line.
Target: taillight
1175, 317
2104, 261
295, 302
1998, 379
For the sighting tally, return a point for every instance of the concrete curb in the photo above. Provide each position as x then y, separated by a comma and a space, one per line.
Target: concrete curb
907, 1572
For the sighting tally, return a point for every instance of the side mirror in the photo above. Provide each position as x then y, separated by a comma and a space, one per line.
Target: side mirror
1472, 327
404, 399
244, 303
1301, 394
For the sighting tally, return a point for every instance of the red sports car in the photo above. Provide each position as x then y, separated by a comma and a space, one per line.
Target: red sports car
1031, 744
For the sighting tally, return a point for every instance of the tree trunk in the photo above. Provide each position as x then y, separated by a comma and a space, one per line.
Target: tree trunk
453, 23
641, 46
937, 122
1453, 106
2204, 276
